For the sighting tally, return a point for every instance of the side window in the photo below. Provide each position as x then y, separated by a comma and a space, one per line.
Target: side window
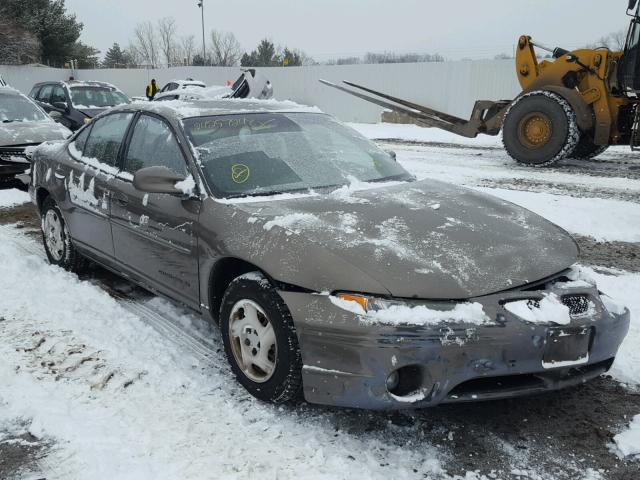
172, 86
34, 92
45, 93
81, 139
106, 137
154, 144
57, 95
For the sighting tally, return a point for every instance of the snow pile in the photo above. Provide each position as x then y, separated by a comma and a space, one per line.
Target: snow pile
627, 443
414, 133
124, 393
395, 314
13, 197
187, 186
464, 313
548, 310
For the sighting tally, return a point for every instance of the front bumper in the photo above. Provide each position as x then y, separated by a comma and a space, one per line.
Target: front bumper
347, 362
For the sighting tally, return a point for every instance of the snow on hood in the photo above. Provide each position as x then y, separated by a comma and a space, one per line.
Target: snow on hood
471, 245
20, 133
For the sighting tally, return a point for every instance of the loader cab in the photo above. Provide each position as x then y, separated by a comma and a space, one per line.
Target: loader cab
629, 64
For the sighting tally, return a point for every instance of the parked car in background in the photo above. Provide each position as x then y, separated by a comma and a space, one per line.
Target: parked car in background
74, 103
331, 271
248, 85
23, 124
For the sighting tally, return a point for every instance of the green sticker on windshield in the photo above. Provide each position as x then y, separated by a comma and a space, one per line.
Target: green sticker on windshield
240, 173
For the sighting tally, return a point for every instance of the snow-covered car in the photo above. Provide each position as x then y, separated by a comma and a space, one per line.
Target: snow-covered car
75, 103
23, 125
330, 270
175, 87
249, 85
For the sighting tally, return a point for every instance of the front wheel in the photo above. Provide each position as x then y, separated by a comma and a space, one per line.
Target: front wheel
540, 128
260, 339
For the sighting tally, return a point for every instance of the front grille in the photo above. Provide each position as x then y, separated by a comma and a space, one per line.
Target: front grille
578, 304
7, 154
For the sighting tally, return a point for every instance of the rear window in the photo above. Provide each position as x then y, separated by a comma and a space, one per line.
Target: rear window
96, 97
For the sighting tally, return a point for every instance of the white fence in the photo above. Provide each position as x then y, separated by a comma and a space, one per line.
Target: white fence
451, 87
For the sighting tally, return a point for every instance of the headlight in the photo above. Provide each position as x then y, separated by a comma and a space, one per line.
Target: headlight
406, 312
366, 304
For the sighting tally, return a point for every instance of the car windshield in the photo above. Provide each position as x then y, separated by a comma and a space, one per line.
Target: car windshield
270, 153
99, 97
16, 108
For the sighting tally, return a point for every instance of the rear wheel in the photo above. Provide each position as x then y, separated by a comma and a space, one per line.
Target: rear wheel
260, 339
540, 128
57, 242
586, 149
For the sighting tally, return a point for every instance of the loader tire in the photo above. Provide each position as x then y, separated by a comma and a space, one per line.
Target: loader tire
586, 149
540, 128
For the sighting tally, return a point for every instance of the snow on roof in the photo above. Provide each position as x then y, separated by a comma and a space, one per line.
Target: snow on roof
7, 90
202, 108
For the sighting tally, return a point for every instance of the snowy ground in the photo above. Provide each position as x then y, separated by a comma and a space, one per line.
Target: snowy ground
102, 380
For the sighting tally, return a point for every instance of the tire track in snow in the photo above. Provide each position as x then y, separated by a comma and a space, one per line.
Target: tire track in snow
162, 321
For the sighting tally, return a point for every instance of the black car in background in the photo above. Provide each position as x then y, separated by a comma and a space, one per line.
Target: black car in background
74, 103
23, 125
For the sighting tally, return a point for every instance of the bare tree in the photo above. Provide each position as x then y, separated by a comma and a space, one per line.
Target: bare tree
188, 48
618, 40
17, 45
146, 43
225, 48
167, 32
134, 54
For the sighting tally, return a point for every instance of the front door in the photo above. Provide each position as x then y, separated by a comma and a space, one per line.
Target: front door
154, 234
89, 180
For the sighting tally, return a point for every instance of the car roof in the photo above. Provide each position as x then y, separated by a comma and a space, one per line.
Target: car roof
202, 108
77, 83
187, 82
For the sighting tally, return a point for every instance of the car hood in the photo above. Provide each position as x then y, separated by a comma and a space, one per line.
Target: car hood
427, 239
21, 133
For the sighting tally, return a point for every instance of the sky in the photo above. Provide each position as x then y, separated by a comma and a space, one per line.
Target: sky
326, 29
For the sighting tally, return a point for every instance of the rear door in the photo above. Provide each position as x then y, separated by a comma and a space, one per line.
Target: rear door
154, 234
89, 182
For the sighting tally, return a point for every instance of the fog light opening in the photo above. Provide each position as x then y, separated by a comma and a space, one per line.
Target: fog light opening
392, 381
405, 381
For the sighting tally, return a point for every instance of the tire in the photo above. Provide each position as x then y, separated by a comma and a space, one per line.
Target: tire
540, 128
271, 371
57, 241
586, 149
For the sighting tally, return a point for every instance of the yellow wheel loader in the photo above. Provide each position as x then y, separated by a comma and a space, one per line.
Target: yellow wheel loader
574, 106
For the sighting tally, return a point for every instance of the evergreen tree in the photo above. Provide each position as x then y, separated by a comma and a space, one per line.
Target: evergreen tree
116, 57
264, 56
56, 31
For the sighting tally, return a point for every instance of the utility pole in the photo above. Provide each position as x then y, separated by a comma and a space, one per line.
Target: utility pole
204, 53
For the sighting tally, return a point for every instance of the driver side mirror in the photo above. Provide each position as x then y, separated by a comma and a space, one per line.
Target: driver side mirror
61, 106
158, 180
392, 154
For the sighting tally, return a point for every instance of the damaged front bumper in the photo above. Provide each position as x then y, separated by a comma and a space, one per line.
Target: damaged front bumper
352, 362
